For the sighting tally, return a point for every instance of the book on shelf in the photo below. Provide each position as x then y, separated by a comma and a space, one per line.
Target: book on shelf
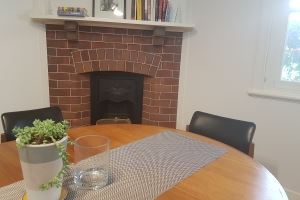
152, 5
139, 10
164, 10
160, 9
153, 10
144, 9
128, 10
133, 9
148, 9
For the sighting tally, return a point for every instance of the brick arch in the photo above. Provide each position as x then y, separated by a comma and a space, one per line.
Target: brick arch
109, 49
107, 59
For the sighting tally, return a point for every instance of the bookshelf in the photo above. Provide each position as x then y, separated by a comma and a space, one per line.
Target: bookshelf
114, 23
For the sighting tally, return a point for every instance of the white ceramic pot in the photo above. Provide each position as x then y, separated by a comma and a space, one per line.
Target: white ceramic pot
39, 164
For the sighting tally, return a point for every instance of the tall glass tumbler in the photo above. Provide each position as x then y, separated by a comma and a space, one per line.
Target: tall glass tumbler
91, 155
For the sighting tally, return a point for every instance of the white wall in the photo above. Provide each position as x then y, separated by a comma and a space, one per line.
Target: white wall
23, 61
217, 68
217, 71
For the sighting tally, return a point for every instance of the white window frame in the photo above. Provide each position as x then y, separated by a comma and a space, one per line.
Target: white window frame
269, 53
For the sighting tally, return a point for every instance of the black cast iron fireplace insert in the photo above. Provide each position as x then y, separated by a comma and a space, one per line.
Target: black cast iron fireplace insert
116, 95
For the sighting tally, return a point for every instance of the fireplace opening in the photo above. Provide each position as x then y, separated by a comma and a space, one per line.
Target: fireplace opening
116, 95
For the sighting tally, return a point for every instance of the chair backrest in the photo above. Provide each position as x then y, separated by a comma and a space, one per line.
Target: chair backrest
236, 133
20, 119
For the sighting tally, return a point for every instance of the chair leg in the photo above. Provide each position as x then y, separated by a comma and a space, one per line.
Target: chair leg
3, 138
187, 128
251, 150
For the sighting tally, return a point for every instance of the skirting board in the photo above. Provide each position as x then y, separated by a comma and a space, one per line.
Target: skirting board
292, 194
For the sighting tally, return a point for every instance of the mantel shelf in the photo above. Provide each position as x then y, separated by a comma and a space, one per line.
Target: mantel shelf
114, 23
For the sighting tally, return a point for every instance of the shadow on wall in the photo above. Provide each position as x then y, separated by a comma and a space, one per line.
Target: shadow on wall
269, 164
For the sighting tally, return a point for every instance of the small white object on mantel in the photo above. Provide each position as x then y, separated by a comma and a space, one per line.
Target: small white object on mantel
114, 23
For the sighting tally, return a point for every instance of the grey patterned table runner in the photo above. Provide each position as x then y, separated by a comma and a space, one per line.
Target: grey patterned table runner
141, 170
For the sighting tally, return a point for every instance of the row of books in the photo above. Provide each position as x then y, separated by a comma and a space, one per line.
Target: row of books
153, 10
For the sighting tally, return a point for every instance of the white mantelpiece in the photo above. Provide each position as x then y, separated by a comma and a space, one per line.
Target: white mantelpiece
114, 23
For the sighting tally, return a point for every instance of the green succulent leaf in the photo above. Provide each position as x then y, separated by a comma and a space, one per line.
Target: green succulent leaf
46, 132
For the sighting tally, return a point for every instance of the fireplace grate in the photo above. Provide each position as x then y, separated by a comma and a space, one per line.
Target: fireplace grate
116, 95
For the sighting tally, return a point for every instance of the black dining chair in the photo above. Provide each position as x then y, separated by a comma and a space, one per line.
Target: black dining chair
236, 133
20, 119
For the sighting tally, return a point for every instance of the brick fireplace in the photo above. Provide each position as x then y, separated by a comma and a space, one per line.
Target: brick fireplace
70, 64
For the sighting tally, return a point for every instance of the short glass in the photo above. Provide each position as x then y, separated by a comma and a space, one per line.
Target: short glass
91, 155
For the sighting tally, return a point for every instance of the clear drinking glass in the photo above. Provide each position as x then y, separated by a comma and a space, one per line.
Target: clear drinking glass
91, 155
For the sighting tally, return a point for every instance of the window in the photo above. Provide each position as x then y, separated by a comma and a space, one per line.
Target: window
291, 57
278, 54
277, 51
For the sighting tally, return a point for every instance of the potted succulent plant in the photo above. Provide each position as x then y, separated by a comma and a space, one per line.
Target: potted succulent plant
43, 157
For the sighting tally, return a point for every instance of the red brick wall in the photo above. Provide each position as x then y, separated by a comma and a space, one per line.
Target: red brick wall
108, 49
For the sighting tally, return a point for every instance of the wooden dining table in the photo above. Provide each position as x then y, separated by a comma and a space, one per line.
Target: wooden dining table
232, 176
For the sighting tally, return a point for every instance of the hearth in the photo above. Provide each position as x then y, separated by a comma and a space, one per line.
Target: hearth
116, 95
